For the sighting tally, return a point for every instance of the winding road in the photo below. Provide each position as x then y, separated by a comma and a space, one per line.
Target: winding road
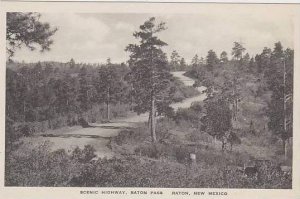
99, 136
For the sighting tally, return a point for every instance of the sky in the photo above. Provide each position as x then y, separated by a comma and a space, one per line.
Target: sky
93, 37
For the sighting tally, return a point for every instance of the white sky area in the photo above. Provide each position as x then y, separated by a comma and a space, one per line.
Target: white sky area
92, 38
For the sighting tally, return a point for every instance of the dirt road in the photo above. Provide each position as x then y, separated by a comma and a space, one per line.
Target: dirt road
99, 136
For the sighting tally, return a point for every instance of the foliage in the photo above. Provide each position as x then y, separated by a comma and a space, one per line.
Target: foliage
218, 117
175, 61
85, 155
150, 76
211, 60
254, 89
223, 57
193, 115
195, 61
111, 86
57, 168
26, 29
280, 109
237, 50
49, 95
182, 64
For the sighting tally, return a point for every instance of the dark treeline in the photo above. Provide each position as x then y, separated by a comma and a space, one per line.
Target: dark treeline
49, 95
46, 91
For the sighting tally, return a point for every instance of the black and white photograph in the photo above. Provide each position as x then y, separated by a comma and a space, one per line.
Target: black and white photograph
150, 99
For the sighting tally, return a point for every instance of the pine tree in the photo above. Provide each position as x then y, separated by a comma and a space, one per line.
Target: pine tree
182, 65
211, 60
223, 57
195, 61
26, 29
72, 63
237, 51
109, 86
83, 91
280, 81
175, 60
149, 71
252, 66
265, 61
246, 60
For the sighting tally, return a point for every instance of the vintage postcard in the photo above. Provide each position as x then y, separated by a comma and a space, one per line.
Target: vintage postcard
143, 100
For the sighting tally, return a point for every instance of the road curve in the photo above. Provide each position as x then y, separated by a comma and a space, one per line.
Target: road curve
99, 136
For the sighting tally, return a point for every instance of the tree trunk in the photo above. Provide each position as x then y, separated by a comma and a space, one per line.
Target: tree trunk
24, 111
149, 120
131, 99
107, 110
215, 140
236, 107
107, 105
284, 146
49, 123
153, 109
223, 145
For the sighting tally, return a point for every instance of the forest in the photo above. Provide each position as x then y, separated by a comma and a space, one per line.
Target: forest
240, 133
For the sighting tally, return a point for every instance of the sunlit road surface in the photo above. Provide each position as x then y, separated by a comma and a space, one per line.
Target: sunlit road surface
99, 136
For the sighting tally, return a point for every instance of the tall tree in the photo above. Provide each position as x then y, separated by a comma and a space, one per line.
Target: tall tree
223, 57
231, 92
109, 86
83, 91
252, 66
280, 82
237, 51
149, 71
26, 29
246, 59
195, 61
182, 65
264, 63
175, 60
202, 61
108, 61
211, 60
72, 63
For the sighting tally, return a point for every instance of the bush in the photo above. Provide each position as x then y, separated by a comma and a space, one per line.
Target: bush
199, 136
181, 154
136, 135
83, 123
38, 166
85, 155
151, 151
181, 91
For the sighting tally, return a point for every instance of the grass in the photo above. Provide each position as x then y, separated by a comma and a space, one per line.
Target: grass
37, 166
174, 140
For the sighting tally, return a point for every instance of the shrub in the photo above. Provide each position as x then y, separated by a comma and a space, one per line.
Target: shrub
85, 155
199, 136
155, 151
181, 91
38, 166
181, 154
